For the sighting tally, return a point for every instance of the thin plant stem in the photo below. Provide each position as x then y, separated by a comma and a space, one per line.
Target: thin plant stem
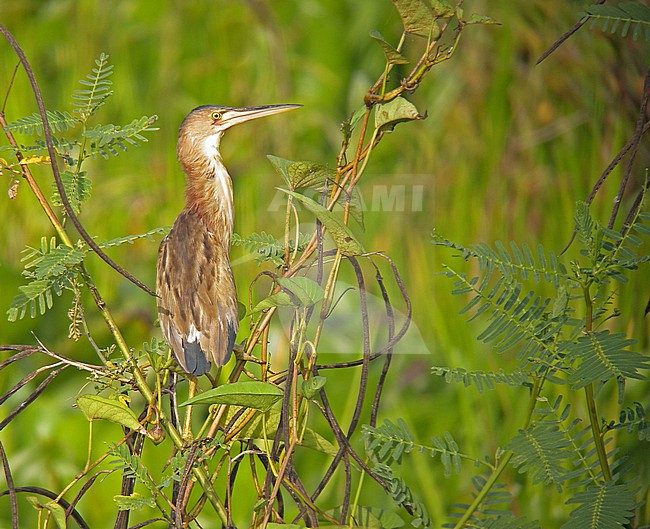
594, 420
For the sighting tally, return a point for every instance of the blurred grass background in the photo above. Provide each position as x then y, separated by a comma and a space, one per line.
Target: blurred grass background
506, 151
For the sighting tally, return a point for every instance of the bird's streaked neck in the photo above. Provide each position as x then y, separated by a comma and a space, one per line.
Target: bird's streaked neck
209, 186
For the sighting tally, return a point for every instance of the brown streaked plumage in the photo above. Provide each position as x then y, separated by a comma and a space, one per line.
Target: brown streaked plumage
197, 302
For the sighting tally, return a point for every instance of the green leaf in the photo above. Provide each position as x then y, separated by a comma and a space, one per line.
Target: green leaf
481, 379
36, 293
392, 55
357, 207
442, 8
296, 292
98, 90
95, 407
248, 393
313, 440
77, 188
602, 507
257, 428
304, 290
279, 299
600, 356
107, 139
481, 19
301, 174
417, 18
624, 15
401, 493
57, 512
541, 450
130, 239
340, 232
134, 502
311, 175
348, 125
398, 110
57, 261
59, 121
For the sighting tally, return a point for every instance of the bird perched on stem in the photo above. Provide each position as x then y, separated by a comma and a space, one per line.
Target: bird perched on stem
197, 302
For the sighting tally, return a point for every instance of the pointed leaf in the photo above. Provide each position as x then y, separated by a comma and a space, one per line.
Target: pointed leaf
348, 126
302, 174
392, 55
57, 512
396, 111
481, 19
279, 299
248, 393
95, 407
315, 441
357, 207
340, 232
305, 291
417, 18
296, 292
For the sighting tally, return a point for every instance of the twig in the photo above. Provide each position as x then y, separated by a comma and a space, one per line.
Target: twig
564, 37
636, 141
21, 407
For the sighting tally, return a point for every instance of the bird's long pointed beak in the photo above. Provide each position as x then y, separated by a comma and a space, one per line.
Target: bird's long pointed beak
244, 114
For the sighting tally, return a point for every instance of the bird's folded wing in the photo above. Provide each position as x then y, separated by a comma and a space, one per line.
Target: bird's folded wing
197, 302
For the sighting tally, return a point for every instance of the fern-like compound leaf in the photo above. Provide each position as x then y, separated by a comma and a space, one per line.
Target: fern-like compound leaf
51, 269
130, 239
602, 506
402, 495
600, 356
268, 247
111, 139
620, 18
59, 121
98, 90
133, 467
480, 379
632, 419
77, 188
540, 450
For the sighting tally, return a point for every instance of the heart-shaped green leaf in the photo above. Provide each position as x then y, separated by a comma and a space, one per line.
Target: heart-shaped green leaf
95, 407
296, 292
301, 174
417, 18
396, 111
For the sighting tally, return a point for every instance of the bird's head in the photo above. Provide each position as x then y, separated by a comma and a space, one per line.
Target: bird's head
201, 130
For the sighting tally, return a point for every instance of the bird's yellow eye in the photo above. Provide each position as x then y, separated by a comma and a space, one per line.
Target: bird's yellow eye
216, 115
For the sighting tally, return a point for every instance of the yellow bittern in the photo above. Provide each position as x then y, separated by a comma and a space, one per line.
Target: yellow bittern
197, 302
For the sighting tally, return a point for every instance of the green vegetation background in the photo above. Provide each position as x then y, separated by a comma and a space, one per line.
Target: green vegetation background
505, 153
